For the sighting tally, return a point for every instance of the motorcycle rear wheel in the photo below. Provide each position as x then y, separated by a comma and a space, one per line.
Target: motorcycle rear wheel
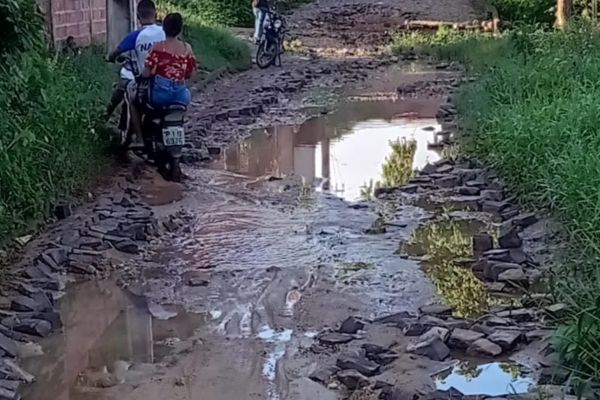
266, 54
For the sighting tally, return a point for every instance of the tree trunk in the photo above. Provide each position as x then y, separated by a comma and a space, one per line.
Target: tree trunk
563, 13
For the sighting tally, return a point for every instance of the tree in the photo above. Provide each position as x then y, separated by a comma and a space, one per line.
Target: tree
563, 13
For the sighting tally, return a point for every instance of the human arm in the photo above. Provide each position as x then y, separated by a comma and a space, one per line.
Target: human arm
151, 63
127, 44
192, 62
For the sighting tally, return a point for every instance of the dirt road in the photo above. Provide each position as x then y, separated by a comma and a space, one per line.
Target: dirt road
279, 239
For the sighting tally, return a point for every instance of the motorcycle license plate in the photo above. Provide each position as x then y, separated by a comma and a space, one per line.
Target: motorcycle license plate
173, 136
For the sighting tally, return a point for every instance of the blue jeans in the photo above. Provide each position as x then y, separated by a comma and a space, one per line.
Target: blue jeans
166, 92
259, 22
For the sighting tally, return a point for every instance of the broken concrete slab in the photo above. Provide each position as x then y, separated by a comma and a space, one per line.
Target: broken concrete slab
435, 349
493, 269
352, 379
482, 243
436, 309
461, 339
516, 275
334, 338
356, 360
509, 237
323, 374
351, 325
507, 339
484, 347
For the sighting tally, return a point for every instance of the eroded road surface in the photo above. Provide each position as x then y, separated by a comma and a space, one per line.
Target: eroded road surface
281, 270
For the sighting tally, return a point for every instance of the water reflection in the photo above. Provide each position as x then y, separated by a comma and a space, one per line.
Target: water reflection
103, 325
495, 379
361, 143
445, 243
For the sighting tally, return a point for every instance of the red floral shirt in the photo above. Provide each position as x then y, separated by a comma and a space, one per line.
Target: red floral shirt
171, 66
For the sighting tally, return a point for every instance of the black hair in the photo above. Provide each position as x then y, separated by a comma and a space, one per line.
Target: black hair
146, 9
173, 24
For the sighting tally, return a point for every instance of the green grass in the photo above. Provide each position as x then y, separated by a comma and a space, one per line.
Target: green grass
50, 119
532, 114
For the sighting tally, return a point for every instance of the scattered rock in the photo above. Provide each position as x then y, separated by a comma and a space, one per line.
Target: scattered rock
482, 243
8, 345
553, 376
447, 181
385, 358
351, 325
416, 329
26, 304
484, 347
537, 334
323, 374
463, 338
36, 327
334, 338
505, 338
355, 360
10, 368
516, 276
517, 256
8, 394
436, 309
492, 195
352, 379
509, 237
436, 349
127, 246
397, 319
519, 315
525, 220
493, 269
467, 191
557, 311
373, 349
494, 207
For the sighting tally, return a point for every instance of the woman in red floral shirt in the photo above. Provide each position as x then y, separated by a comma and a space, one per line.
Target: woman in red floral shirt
170, 63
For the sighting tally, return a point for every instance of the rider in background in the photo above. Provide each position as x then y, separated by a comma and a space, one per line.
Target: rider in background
170, 63
136, 45
260, 8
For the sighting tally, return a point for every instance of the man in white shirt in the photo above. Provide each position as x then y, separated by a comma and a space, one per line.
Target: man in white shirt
136, 46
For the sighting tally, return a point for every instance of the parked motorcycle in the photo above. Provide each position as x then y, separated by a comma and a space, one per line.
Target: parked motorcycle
163, 133
271, 45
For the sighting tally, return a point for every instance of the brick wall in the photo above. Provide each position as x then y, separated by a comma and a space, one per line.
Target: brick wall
85, 20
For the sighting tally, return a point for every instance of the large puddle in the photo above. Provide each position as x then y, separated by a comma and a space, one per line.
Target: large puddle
270, 273
349, 152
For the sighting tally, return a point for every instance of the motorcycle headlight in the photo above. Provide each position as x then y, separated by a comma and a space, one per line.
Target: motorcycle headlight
277, 23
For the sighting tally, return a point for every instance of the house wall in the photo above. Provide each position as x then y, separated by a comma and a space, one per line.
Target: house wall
84, 20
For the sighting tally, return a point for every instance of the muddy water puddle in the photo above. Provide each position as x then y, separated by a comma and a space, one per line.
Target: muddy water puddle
109, 338
349, 152
493, 379
280, 251
444, 247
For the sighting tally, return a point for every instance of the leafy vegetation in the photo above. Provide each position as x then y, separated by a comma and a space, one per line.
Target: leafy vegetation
541, 134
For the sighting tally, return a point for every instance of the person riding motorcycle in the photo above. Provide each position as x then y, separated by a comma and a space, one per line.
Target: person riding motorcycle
168, 65
136, 45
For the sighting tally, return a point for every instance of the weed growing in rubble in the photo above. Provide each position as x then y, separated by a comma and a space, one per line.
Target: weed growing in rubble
532, 115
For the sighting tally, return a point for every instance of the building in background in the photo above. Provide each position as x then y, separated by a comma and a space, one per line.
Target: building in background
89, 22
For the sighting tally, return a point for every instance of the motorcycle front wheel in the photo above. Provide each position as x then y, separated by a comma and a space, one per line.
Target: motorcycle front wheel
266, 54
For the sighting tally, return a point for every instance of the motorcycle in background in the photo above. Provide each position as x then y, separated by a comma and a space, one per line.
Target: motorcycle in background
271, 45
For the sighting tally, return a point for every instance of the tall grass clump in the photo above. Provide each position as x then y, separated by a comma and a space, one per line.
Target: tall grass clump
51, 112
532, 114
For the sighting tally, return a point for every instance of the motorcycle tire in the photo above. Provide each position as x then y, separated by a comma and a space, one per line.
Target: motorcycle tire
169, 167
265, 59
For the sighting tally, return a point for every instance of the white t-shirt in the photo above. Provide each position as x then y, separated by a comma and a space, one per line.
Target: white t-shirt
138, 44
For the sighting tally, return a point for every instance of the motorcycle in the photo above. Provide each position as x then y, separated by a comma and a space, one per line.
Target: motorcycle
163, 133
271, 45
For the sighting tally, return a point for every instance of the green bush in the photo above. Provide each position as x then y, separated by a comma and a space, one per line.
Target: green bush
20, 26
528, 11
217, 12
50, 117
